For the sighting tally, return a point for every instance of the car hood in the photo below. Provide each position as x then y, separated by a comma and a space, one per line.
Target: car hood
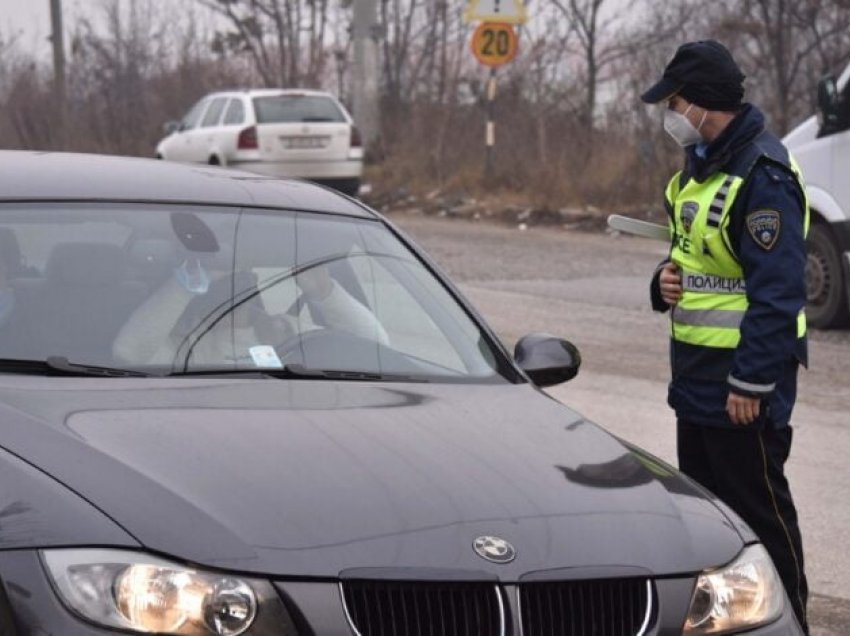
322, 479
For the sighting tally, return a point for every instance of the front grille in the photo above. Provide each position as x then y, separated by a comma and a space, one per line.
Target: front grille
615, 607
402, 608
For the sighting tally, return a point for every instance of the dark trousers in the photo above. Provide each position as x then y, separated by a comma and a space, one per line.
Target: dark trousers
745, 467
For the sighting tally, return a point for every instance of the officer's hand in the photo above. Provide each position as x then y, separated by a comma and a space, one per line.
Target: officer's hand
670, 283
742, 409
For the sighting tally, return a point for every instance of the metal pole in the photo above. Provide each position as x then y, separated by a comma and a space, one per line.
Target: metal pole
490, 134
57, 40
366, 31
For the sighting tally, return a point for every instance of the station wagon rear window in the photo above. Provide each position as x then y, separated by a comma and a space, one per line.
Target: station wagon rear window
282, 109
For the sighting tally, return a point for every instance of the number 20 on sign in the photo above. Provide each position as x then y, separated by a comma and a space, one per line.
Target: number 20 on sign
494, 43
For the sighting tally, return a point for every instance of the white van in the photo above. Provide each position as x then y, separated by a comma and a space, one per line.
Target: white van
821, 145
274, 132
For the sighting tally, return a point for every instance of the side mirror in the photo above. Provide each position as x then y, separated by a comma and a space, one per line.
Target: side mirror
828, 101
827, 93
547, 360
171, 127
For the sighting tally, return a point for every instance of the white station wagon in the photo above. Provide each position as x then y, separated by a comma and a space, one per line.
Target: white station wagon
273, 132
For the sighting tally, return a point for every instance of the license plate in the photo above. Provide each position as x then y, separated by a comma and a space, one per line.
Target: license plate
303, 143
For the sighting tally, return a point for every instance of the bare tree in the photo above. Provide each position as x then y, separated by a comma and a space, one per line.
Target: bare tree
285, 39
786, 40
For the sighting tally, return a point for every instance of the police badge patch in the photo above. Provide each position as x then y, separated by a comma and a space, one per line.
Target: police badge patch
763, 226
689, 213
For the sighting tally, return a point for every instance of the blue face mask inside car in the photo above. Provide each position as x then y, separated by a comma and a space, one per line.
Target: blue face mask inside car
192, 276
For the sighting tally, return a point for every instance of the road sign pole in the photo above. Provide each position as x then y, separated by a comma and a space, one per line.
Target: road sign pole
493, 44
490, 133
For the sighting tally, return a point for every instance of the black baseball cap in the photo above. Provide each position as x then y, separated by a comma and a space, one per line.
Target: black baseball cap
704, 73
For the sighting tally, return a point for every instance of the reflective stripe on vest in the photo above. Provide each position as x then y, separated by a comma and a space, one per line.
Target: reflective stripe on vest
715, 210
709, 317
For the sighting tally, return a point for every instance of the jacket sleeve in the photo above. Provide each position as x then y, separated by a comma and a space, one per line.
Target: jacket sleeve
774, 272
658, 303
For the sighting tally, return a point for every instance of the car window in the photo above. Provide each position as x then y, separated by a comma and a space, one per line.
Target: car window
235, 113
213, 113
193, 117
181, 289
280, 109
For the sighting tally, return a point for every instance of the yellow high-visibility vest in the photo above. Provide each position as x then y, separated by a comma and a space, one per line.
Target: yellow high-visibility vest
714, 298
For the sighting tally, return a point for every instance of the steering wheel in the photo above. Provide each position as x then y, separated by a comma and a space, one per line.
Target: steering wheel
292, 348
338, 350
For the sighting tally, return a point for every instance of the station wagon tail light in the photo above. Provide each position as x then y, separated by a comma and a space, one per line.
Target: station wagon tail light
356, 140
737, 597
142, 593
248, 139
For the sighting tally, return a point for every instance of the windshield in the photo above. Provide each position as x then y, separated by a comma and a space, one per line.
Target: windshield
193, 289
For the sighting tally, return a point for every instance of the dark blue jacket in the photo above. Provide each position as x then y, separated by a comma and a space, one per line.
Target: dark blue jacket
769, 352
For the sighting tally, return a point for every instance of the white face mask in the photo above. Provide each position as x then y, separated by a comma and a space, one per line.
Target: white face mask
679, 127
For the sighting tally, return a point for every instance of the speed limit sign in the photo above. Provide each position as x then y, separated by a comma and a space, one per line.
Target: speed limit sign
494, 43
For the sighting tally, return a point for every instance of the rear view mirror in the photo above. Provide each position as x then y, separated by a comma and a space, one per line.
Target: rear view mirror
193, 233
547, 360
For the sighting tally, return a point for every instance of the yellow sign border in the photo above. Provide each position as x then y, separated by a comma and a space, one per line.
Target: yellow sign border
497, 61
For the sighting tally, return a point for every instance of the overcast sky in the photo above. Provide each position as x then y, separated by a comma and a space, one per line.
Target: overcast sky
29, 20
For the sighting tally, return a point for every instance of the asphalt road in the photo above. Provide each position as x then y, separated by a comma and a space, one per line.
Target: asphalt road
592, 289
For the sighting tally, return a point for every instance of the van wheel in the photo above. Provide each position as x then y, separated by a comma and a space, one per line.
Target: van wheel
826, 294
214, 161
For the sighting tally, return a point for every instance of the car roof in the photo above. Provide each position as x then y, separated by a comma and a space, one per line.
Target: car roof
56, 176
271, 92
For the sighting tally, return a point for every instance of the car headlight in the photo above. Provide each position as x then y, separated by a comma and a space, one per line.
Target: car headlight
739, 596
139, 592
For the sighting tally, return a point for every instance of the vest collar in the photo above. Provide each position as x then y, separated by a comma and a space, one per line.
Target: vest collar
746, 126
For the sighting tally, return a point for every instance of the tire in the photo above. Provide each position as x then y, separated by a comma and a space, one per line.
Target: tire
214, 161
826, 291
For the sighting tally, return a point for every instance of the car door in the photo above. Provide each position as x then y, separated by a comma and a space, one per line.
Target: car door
232, 123
206, 142
179, 144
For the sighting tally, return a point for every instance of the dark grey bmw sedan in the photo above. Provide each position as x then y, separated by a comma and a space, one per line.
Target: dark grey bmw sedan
231, 404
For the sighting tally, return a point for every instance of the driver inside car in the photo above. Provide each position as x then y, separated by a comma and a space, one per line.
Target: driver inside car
332, 306
204, 317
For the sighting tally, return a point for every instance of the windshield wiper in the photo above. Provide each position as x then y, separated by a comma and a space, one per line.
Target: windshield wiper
63, 365
340, 374
297, 371
264, 372
59, 365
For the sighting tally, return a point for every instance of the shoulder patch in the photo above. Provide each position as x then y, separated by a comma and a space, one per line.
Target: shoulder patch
763, 226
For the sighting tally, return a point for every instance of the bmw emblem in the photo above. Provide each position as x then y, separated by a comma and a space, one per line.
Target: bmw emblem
494, 549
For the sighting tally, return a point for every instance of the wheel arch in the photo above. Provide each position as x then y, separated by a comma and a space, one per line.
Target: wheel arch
823, 206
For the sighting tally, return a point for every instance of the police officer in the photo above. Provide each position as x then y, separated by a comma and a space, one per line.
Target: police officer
735, 288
